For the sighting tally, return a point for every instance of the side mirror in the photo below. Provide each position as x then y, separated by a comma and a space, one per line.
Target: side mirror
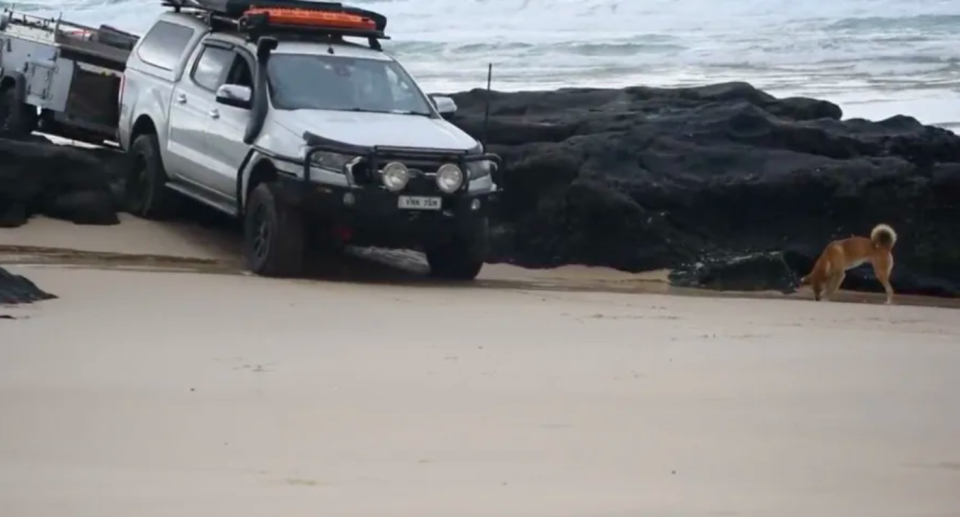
235, 95
444, 104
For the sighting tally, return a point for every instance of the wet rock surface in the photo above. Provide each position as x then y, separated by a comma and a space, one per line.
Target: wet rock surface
766, 271
726, 185
17, 289
716, 182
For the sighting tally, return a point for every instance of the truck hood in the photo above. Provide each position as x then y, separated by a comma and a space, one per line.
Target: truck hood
369, 129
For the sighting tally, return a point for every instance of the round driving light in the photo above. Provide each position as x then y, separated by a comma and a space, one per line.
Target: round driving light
449, 178
475, 205
395, 176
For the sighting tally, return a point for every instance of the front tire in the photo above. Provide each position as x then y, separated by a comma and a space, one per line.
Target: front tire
462, 257
145, 191
273, 234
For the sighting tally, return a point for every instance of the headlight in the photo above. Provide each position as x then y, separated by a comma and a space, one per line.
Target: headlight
335, 162
395, 176
449, 178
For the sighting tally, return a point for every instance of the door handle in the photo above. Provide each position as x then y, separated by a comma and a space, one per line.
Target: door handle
214, 113
182, 98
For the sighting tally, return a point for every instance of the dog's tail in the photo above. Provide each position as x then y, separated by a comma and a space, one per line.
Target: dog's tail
883, 236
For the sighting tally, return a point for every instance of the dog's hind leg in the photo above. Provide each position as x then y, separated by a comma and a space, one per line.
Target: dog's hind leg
833, 284
882, 267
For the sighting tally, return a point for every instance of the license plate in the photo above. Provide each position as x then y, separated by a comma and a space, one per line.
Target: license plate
419, 203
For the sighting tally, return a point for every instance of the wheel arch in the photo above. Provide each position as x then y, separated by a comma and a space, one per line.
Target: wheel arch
261, 169
143, 125
14, 80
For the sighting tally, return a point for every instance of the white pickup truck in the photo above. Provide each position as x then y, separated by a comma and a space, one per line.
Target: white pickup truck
269, 114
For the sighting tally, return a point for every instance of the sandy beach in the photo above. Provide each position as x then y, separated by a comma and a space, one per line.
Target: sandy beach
163, 381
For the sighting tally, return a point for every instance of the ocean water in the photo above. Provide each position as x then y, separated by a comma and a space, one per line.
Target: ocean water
875, 58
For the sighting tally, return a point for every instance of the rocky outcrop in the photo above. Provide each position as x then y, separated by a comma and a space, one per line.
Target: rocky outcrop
72, 183
725, 183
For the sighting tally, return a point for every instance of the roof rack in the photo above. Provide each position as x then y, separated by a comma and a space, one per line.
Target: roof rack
259, 17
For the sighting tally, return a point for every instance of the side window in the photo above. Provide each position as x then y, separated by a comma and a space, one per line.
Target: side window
210, 67
163, 44
240, 72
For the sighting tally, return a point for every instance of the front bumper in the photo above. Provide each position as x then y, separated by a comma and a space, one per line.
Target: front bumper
373, 215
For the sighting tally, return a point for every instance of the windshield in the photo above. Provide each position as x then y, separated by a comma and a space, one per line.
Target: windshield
305, 81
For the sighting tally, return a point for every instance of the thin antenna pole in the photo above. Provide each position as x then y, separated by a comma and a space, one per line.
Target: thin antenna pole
486, 111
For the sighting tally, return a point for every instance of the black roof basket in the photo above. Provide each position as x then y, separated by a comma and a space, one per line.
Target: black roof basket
233, 14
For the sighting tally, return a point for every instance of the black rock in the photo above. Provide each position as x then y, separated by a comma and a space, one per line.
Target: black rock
646, 178
40, 177
84, 207
12, 214
16, 289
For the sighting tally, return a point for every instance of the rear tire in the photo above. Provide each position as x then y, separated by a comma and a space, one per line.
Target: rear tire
16, 118
462, 257
273, 234
145, 192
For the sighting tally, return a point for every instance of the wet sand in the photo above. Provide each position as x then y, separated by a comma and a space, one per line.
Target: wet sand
187, 388
211, 247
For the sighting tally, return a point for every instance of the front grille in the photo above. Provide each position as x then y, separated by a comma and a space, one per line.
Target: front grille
421, 185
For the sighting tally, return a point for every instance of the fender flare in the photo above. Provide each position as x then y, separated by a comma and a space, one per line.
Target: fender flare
246, 169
